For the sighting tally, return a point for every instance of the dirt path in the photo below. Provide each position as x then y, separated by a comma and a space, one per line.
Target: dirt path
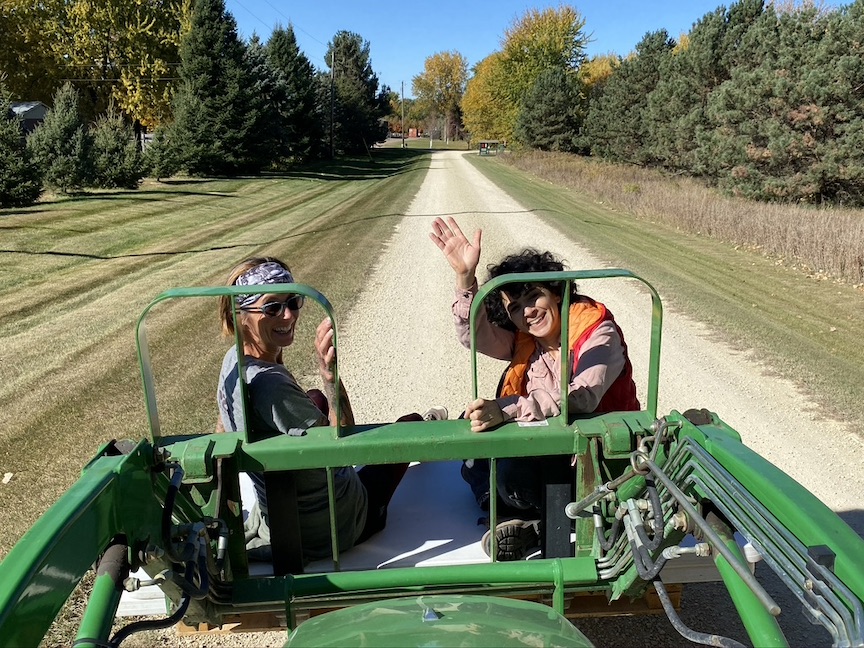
403, 320
399, 354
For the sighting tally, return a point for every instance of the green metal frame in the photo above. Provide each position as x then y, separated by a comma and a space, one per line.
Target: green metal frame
568, 277
121, 494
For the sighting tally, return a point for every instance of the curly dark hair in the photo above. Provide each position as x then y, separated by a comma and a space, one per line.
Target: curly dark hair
528, 260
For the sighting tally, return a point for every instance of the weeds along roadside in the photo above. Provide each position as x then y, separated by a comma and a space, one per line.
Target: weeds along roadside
800, 325
822, 242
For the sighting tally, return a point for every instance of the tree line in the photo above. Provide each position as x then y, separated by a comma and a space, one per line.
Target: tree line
218, 105
762, 99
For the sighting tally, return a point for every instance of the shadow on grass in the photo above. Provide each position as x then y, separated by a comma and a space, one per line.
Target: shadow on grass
133, 195
384, 163
252, 244
29, 211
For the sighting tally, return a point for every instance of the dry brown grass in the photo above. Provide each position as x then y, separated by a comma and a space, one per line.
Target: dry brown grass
820, 241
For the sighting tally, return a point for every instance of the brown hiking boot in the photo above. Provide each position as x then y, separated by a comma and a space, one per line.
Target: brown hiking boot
515, 539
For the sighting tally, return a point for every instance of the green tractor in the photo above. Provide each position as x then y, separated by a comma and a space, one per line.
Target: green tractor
648, 493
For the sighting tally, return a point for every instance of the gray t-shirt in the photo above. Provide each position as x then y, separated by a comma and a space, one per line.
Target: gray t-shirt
278, 405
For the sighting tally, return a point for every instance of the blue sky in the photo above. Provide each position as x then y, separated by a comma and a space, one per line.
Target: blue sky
403, 34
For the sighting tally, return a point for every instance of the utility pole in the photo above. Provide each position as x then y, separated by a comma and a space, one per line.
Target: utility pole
403, 115
332, 92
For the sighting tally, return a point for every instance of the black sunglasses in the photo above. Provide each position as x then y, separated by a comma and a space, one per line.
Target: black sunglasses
275, 309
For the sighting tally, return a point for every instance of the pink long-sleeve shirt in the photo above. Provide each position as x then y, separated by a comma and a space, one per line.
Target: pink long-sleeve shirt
601, 360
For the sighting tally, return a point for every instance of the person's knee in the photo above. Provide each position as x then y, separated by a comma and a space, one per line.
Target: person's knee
414, 416
518, 482
320, 400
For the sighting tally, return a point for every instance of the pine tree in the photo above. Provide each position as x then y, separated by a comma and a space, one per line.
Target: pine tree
359, 105
61, 145
20, 181
616, 124
722, 42
300, 127
551, 113
790, 129
116, 158
262, 115
160, 158
211, 107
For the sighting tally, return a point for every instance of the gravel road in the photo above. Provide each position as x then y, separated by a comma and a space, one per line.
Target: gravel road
399, 354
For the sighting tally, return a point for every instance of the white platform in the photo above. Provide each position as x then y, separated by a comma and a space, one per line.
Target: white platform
432, 520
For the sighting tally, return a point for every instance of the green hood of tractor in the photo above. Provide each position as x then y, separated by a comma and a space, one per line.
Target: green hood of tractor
440, 620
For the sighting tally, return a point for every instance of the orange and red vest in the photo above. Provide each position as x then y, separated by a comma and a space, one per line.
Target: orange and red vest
585, 316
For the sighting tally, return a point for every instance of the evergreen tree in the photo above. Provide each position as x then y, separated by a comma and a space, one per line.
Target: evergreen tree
791, 129
61, 145
359, 105
160, 158
722, 41
551, 113
300, 128
20, 182
212, 107
116, 158
262, 114
616, 125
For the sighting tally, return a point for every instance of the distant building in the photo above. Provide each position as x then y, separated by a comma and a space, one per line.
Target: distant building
31, 113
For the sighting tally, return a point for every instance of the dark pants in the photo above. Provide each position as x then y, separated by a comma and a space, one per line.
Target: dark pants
520, 483
380, 480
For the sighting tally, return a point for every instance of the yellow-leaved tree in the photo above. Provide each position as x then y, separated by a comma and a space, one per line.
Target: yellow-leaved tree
439, 89
551, 38
125, 50
28, 69
485, 110
596, 71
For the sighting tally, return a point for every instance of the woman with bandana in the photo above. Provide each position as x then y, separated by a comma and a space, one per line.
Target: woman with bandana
278, 405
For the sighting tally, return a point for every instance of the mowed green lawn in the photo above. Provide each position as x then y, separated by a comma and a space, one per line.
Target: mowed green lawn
75, 274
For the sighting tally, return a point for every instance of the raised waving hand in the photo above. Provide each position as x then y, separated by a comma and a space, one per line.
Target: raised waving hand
462, 255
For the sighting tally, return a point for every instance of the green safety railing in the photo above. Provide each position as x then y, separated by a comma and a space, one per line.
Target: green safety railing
219, 291
568, 277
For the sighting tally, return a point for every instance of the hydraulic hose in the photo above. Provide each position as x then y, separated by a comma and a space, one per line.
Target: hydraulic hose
158, 624
645, 567
684, 631
606, 543
657, 507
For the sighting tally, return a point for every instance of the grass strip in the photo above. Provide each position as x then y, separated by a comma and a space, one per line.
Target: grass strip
804, 328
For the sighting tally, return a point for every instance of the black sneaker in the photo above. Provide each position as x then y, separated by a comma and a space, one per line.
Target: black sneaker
515, 539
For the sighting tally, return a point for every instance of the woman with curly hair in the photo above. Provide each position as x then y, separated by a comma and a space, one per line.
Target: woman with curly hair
521, 323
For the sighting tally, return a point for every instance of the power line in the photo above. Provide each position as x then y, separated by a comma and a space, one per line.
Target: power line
157, 79
252, 14
291, 22
92, 66
295, 25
